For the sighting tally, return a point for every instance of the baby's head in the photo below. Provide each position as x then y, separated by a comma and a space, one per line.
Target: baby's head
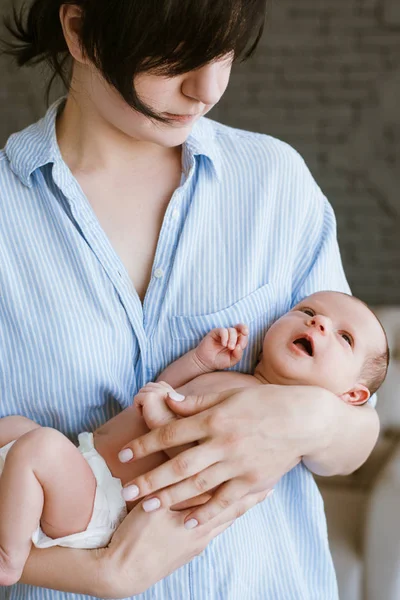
331, 340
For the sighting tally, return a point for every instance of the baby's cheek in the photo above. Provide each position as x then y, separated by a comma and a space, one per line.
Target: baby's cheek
334, 376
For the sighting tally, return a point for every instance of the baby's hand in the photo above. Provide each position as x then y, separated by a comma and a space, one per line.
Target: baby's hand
150, 403
222, 347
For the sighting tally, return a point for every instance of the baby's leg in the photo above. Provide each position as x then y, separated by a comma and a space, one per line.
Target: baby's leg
47, 480
11, 428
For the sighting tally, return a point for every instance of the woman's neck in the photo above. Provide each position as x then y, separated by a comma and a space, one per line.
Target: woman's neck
88, 143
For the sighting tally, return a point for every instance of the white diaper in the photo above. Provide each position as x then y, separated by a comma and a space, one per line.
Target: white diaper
109, 507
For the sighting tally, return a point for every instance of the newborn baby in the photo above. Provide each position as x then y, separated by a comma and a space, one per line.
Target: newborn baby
53, 493
330, 339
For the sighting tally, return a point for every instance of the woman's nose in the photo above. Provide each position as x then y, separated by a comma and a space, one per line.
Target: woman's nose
207, 84
323, 324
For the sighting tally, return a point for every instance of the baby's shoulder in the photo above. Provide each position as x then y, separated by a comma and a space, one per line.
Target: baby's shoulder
216, 382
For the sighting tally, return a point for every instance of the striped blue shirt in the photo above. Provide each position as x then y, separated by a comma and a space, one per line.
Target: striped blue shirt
246, 235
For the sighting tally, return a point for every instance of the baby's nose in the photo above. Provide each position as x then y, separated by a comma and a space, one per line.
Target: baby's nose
320, 322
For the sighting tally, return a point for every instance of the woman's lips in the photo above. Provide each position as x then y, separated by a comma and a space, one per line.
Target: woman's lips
184, 119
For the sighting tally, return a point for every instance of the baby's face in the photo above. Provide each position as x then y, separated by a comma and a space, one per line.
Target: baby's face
323, 341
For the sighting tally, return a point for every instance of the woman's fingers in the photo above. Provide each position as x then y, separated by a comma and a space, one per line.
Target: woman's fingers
193, 405
193, 486
174, 433
227, 517
231, 494
184, 465
153, 545
192, 502
147, 547
226, 496
194, 428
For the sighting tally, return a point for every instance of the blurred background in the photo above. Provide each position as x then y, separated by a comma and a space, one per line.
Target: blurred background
325, 79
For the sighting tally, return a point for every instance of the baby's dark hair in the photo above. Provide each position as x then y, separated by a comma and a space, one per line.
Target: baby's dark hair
127, 37
375, 367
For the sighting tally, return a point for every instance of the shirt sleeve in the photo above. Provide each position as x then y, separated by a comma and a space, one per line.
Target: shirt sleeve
319, 265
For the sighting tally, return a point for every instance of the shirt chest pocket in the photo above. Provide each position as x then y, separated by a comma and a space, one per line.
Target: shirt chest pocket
258, 310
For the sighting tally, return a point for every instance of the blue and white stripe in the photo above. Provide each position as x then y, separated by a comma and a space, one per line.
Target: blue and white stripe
246, 235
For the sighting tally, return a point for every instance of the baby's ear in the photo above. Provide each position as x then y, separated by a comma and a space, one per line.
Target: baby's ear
358, 395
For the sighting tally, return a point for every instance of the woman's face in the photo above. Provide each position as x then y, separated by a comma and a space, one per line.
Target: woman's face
183, 99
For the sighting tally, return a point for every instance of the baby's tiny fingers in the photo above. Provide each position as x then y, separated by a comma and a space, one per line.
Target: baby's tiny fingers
224, 336
242, 329
221, 335
237, 353
243, 340
162, 386
232, 338
150, 387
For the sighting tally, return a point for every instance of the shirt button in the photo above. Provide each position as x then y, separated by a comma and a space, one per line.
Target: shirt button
175, 214
158, 273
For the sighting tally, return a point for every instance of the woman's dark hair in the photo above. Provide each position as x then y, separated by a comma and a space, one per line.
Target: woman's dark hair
123, 38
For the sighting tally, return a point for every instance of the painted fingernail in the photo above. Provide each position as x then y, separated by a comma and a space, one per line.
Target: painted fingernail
130, 492
125, 455
175, 396
152, 504
191, 524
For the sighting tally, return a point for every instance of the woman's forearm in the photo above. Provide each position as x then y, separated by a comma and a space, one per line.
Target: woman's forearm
67, 570
344, 435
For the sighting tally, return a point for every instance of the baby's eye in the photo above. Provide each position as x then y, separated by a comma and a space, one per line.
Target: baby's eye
347, 338
308, 311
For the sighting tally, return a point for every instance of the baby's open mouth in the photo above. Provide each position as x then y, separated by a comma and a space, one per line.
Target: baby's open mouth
305, 344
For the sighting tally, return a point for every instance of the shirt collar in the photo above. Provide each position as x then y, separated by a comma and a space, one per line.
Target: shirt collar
201, 141
37, 145
34, 146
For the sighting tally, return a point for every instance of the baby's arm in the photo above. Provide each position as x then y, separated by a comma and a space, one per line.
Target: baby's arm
42, 463
150, 403
220, 349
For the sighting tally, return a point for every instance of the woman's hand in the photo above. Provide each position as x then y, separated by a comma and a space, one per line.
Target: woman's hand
149, 546
248, 439
145, 548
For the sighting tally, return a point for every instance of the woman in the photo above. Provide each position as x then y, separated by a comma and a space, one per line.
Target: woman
130, 226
